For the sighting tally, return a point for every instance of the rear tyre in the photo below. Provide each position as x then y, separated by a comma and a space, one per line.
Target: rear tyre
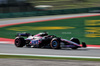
19, 42
76, 41
55, 43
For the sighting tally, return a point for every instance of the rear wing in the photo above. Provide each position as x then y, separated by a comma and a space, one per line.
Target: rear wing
23, 34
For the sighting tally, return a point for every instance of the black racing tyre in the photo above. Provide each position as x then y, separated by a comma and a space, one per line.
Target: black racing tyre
76, 41
55, 43
19, 42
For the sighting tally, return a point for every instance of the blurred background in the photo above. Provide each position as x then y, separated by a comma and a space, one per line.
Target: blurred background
87, 28
9, 6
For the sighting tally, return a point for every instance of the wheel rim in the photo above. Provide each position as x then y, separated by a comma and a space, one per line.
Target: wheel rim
17, 42
54, 43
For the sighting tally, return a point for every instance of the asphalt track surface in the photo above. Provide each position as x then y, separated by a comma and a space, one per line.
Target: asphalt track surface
10, 48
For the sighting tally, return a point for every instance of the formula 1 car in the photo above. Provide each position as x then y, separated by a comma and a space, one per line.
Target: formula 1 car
44, 40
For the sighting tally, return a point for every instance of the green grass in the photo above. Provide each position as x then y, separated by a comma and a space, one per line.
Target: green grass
80, 29
58, 4
40, 57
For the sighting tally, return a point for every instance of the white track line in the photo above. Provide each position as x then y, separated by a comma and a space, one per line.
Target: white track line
61, 56
4, 42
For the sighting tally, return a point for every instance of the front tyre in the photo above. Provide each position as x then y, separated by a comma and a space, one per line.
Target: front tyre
19, 42
55, 43
76, 41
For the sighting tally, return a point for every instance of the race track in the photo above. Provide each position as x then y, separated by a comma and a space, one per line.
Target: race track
10, 48
40, 18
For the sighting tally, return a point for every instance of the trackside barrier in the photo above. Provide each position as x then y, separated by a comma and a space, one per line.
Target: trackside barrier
49, 12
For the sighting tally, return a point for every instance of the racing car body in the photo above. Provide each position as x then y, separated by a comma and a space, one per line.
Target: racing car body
45, 40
